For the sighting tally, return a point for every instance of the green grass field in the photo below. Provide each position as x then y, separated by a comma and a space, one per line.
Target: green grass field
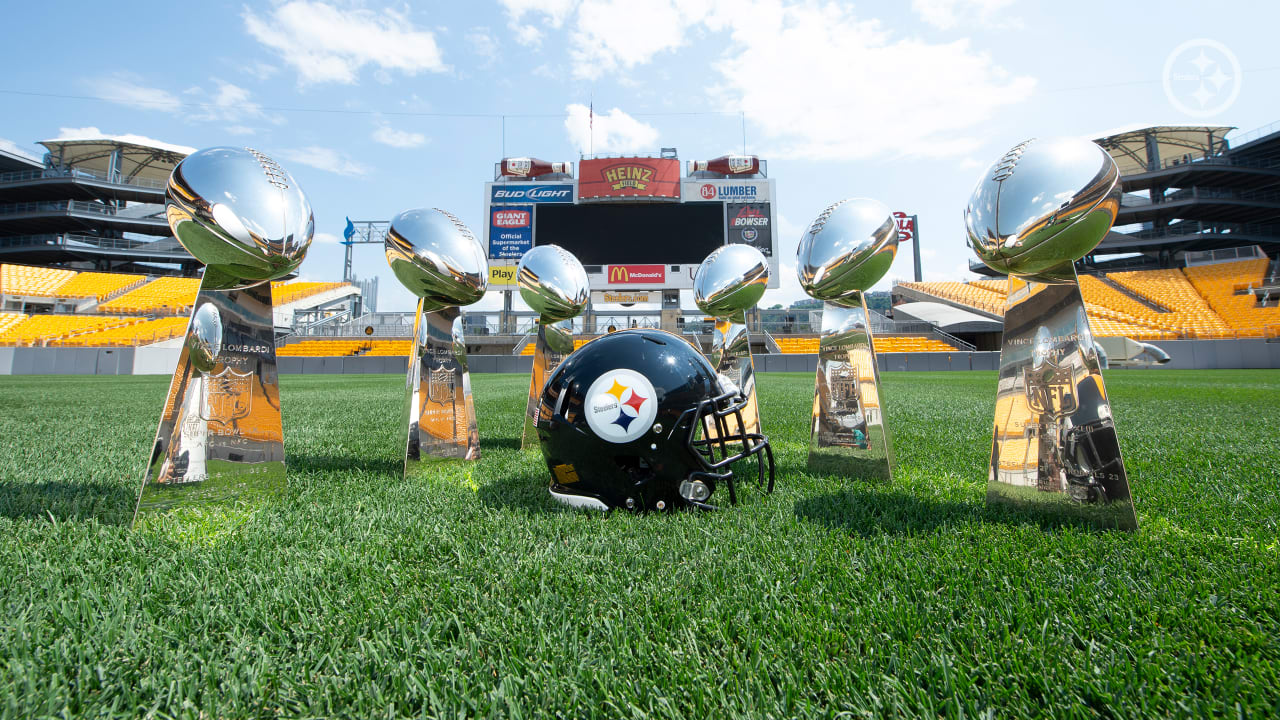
470, 593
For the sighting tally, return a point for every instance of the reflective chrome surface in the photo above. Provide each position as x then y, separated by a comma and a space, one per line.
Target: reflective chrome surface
553, 283
554, 343
436, 257
1055, 445
849, 435
1041, 207
220, 438
239, 213
1045, 202
439, 412
847, 249
730, 280
204, 337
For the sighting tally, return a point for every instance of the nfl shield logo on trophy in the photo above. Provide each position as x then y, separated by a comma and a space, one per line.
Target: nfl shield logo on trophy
229, 396
1049, 391
440, 385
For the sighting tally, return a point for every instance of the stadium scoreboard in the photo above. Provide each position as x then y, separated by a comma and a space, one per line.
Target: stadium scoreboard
634, 223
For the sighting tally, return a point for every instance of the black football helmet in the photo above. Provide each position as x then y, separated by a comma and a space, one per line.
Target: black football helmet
638, 419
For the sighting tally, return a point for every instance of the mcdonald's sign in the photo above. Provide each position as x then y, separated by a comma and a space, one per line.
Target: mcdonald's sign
636, 274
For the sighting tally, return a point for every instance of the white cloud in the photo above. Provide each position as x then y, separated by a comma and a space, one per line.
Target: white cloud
620, 34
398, 138
228, 103
552, 13
816, 81
124, 89
327, 44
614, 131
527, 35
483, 45
324, 238
323, 158
947, 14
260, 70
14, 148
240, 130
824, 84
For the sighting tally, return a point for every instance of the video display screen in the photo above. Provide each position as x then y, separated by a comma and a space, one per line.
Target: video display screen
650, 233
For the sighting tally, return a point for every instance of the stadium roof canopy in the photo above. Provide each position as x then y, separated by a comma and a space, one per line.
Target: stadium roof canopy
135, 155
15, 160
1130, 146
947, 318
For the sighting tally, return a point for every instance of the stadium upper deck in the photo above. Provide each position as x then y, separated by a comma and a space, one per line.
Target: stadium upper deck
93, 203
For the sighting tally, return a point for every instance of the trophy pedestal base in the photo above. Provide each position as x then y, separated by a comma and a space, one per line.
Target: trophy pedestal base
1055, 447
220, 438
439, 412
849, 436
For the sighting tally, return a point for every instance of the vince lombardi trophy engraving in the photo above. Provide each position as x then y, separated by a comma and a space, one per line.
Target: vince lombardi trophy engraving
436, 257
846, 250
731, 280
554, 284
220, 437
1041, 207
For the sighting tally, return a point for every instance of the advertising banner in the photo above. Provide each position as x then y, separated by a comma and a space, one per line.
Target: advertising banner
906, 226
725, 191
636, 274
518, 192
626, 297
629, 178
750, 224
502, 276
510, 231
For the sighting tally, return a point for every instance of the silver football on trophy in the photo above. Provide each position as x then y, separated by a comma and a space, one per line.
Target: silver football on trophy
553, 283
730, 280
436, 257
204, 340
1043, 204
847, 249
239, 213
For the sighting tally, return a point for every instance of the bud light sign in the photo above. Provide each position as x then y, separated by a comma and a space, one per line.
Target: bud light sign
510, 231
530, 193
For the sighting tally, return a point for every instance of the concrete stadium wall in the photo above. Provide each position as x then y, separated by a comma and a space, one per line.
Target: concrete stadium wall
67, 361
1184, 354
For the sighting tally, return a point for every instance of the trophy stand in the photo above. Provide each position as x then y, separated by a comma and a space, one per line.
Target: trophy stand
439, 411
1054, 446
554, 343
848, 436
220, 435
1055, 442
731, 357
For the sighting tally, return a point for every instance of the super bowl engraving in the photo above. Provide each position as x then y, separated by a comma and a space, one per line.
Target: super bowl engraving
434, 255
1054, 442
845, 251
220, 436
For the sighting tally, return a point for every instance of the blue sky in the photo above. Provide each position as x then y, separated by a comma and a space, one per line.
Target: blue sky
376, 108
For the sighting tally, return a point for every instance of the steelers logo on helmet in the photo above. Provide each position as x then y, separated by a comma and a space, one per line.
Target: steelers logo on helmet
621, 405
